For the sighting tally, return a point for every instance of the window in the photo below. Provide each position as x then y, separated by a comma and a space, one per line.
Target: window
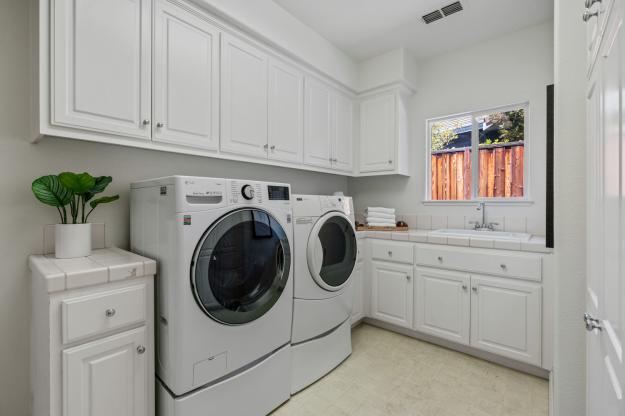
492, 141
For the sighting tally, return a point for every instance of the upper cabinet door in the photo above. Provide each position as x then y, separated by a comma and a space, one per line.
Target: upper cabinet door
243, 98
186, 87
101, 66
377, 133
343, 137
317, 124
286, 112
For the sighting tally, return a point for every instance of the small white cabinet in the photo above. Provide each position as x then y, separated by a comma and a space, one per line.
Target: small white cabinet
244, 105
506, 318
100, 66
392, 293
442, 304
186, 79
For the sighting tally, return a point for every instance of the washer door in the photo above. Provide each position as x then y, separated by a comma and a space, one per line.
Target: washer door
241, 266
332, 251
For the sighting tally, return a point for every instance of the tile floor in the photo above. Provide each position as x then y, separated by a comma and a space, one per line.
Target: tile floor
391, 374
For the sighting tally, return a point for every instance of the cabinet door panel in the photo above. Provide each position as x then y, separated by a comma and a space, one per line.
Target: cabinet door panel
317, 124
101, 65
392, 293
377, 134
106, 377
244, 98
186, 90
506, 318
443, 304
342, 140
358, 296
286, 112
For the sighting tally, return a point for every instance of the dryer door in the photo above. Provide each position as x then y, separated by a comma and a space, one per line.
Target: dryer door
241, 266
332, 251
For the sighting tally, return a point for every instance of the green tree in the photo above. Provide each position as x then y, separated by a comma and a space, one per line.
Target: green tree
511, 125
443, 134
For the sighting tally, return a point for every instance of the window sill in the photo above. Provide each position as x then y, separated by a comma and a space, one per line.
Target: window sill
489, 201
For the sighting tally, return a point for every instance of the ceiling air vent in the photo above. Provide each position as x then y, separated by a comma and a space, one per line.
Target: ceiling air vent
432, 17
451, 8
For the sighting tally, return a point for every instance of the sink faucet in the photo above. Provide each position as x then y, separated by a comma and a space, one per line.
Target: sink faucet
483, 226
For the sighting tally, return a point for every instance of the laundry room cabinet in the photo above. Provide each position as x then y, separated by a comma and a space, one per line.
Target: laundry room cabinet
392, 293
92, 335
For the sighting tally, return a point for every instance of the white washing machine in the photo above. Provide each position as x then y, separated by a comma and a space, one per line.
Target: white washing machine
224, 291
325, 255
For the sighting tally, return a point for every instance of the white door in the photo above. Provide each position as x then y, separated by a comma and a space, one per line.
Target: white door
377, 133
443, 304
244, 71
286, 112
186, 83
392, 293
343, 133
101, 66
317, 124
606, 245
358, 294
506, 318
107, 377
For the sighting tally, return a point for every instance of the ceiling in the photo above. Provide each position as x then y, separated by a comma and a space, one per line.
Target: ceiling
365, 28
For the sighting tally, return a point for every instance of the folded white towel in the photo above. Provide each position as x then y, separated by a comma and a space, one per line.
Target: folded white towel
380, 221
381, 215
372, 218
379, 224
380, 209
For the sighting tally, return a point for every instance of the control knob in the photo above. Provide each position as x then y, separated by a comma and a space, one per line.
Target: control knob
248, 192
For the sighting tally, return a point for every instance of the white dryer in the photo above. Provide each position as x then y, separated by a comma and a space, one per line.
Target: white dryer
325, 255
224, 291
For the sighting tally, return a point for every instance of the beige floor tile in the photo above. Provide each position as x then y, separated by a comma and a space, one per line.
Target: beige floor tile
389, 374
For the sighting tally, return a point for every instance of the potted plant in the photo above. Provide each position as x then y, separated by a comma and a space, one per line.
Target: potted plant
72, 236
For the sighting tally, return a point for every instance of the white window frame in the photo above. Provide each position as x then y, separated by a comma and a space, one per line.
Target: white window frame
524, 200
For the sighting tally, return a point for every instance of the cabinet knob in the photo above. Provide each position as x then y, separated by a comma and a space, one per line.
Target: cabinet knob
140, 349
503, 266
464, 287
390, 254
273, 147
474, 289
110, 312
589, 15
146, 122
160, 124
335, 160
407, 277
440, 258
592, 323
390, 162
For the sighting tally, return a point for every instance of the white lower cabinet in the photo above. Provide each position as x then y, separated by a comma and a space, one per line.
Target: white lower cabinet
443, 304
107, 377
358, 311
392, 293
506, 318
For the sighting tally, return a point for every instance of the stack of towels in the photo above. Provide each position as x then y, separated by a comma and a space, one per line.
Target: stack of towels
380, 217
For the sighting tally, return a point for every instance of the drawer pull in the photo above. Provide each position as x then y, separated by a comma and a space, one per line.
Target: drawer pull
390, 254
440, 258
140, 349
110, 313
503, 266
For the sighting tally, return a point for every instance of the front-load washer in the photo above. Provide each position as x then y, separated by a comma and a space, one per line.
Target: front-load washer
224, 291
325, 255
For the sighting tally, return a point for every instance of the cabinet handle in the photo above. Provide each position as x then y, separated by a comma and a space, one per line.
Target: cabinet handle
588, 15
440, 258
503, 266
146, 122
110, 312
464, 287
160, 124
390, 162
474, 289
140, 349
408, 277
590, 3
273, 147
330, 159
390, 254
265, 146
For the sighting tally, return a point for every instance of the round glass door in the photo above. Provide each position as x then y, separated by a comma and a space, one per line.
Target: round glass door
241, 266
332, 251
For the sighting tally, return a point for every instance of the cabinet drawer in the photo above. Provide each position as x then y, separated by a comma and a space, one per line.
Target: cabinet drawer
102, 312
514, 265
392, 251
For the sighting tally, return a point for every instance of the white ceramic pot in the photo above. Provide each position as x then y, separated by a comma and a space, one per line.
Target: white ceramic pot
72, 240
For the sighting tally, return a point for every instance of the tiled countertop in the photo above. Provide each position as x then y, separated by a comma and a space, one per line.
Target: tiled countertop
104, 265
535, 244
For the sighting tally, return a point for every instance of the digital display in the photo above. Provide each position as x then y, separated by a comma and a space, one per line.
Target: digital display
278, 193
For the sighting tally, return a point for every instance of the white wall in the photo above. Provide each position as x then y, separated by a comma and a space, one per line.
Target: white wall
570, 209
22, 217
514, 68
398, 65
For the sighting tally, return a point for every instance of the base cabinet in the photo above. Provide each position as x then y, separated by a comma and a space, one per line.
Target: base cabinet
392, 293
442, 304
358, 311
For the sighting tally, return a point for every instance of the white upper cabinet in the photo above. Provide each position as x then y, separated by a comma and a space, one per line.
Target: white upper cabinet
377, 133
286, 112
343, 134
244, 70
317, 124
186, 84
100, 62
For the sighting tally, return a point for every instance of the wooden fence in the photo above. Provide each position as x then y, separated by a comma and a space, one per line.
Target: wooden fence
500, 172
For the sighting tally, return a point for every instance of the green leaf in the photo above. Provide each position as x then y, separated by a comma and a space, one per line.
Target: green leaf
49, 190
103, 200
78, 183
101, 182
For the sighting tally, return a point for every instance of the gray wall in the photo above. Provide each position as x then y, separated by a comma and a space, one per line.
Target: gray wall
22, 217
